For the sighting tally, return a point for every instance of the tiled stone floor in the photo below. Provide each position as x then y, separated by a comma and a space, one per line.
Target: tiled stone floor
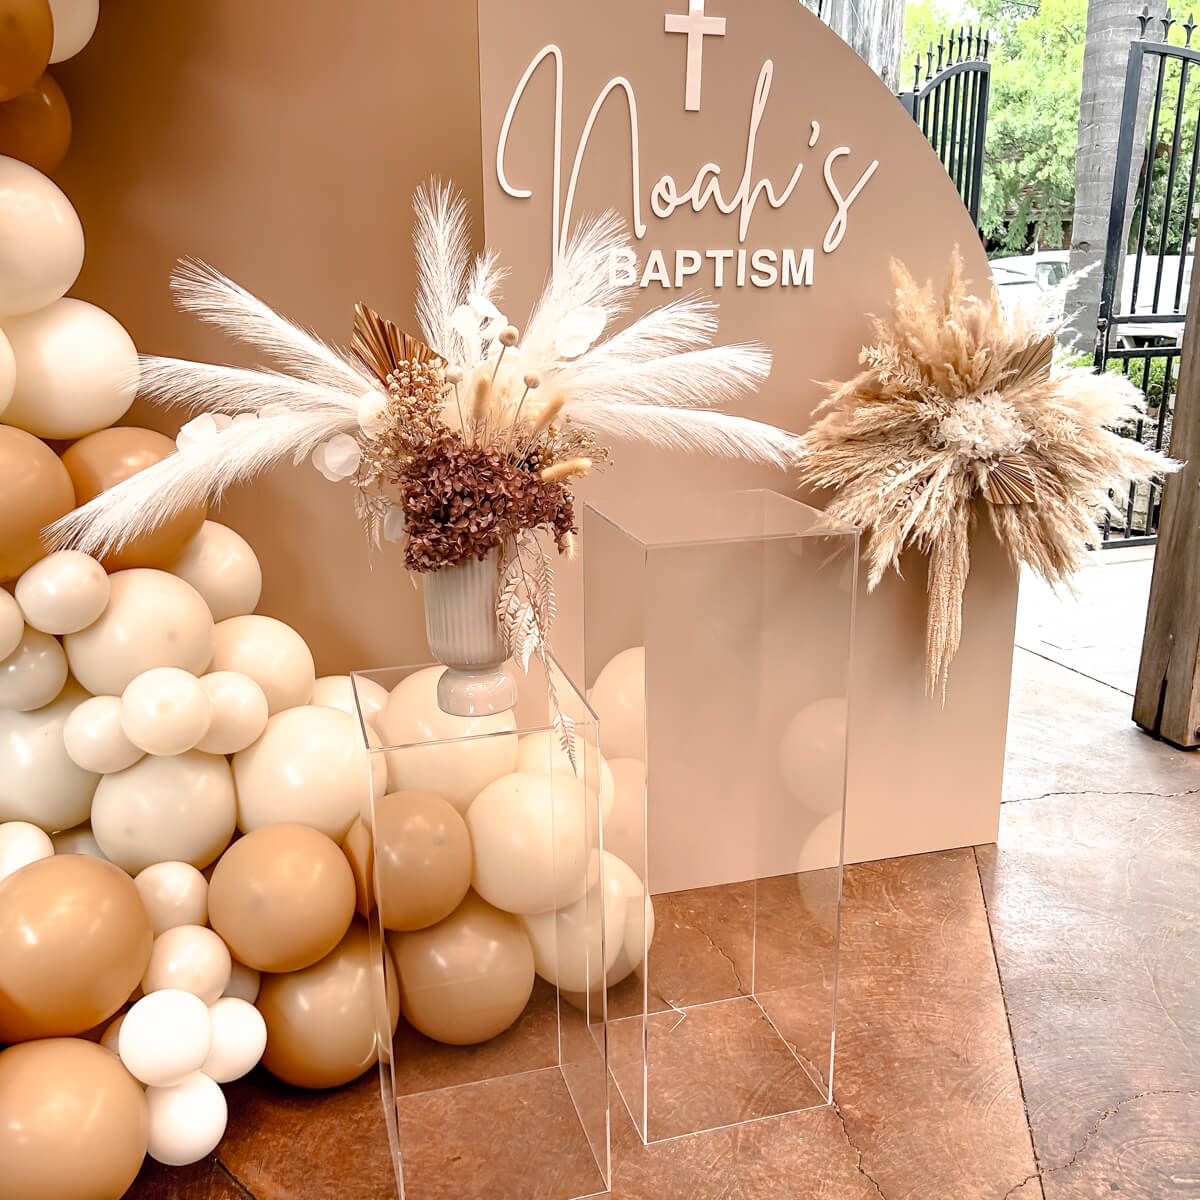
1017, 1021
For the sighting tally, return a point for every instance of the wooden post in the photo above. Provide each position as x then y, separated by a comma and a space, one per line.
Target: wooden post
1167, 701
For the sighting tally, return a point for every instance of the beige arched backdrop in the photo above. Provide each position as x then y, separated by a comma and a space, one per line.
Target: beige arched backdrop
281, 141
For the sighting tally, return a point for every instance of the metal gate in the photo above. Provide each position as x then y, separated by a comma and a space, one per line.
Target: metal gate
1147, 270
951, 106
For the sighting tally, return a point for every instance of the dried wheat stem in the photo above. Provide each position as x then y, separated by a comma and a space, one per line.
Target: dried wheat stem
569, 468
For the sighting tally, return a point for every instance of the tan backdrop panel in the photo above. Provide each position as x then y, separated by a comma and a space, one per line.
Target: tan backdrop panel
921, 777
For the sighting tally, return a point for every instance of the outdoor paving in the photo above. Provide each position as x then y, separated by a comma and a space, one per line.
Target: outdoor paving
1017, 1022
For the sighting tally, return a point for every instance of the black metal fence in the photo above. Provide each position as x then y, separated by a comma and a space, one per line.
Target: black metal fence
951, 104
1149, 251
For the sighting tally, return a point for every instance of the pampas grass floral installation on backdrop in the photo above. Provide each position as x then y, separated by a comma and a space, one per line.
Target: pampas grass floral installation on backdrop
961, 410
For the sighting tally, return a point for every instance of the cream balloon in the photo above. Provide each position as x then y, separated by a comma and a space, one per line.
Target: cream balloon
165, 1037
238, 712
174, 894
20, 844
541, 753
812, 755
38, 781
165, 711
79, 840
153, 619
179, 808
822, 848
41, 239
77, 370
271, 653
110, 1039
190, 958
308, 767
12, 623
239, 1037
335, 691
8, 373
34, 673
625, 824
531, 852
222, 567
186, 1121
94, 739
619, 700
458, 771
74, 24
244, 982
633, 935
63, 593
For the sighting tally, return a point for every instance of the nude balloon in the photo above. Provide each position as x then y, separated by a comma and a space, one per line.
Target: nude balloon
35, 126
63, 593
321, 1021
165, 711
26, 43
76, 369
93, 737
335, 691
273, 654
221, 566
181, 808
281, 897
73, 1122
619, 700
466, 979
38, 780
174, 894
34, 673
74, 941
191, 958
238, 712
153, 619
35, 490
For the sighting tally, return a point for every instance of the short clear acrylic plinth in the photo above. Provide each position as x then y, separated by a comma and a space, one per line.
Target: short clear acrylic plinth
495, 1081
718, 633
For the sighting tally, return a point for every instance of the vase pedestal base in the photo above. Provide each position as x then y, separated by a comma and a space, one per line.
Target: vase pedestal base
463, 693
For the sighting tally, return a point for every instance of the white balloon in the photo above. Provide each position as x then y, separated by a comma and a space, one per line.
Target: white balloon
222, 567
20, 844
38, 781
239, 712
174, 894
273, 654
180, 808
165, 1037
110, 1039
186, 1121
74, 24
308, 767
619, 700
165, 711
812, 755
12, 623
243, 982
334, 691
238, 1040
41, 239
153, 619
79, 840
633, 936
191, 958
542, 754
8, 373
34, 673
77, 370
63, 593
528, 834
625, 823
458, 771
94, 739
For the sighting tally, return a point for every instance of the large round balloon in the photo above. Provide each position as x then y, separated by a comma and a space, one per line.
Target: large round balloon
104, 459
180, 808
281, 897
542, 753
619, 700
812, 755
74, 942
34, 673
35, 490
466, 979
422, 859
273, 654
26, 43
459, 771
39, 782
63, 593
41, 240
153, 620
73, 1122
74, 24
321, 1030
35, 126
221, 566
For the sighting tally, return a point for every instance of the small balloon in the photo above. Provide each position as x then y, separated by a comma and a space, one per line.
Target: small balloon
243, 982
165, 711
63, 593
35, 490
360, 854
93, 737
335, 691
186, 1120
79, 840
222, 567
33, 674
35, 126
165, 1036
12, 623
239, 1037
174, 894
190, 958
26, 42
238, 712
20, 844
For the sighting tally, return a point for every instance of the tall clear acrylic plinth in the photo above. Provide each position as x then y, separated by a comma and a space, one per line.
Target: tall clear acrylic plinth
718, 633
494, 1073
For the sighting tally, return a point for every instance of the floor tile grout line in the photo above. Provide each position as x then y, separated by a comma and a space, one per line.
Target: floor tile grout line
1112, 687
243, 1190
1012, 1041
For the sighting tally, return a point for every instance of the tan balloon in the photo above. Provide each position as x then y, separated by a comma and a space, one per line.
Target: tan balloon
321, 1022
74, 942
360, 855
35, 490
422, 859
104, 459
282, 897
73, 1122
466, 979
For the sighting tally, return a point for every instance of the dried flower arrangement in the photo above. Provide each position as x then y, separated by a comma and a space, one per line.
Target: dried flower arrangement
461, 444
961, 405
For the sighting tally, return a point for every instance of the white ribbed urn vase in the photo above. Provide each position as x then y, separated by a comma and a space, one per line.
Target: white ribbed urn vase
460, 623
